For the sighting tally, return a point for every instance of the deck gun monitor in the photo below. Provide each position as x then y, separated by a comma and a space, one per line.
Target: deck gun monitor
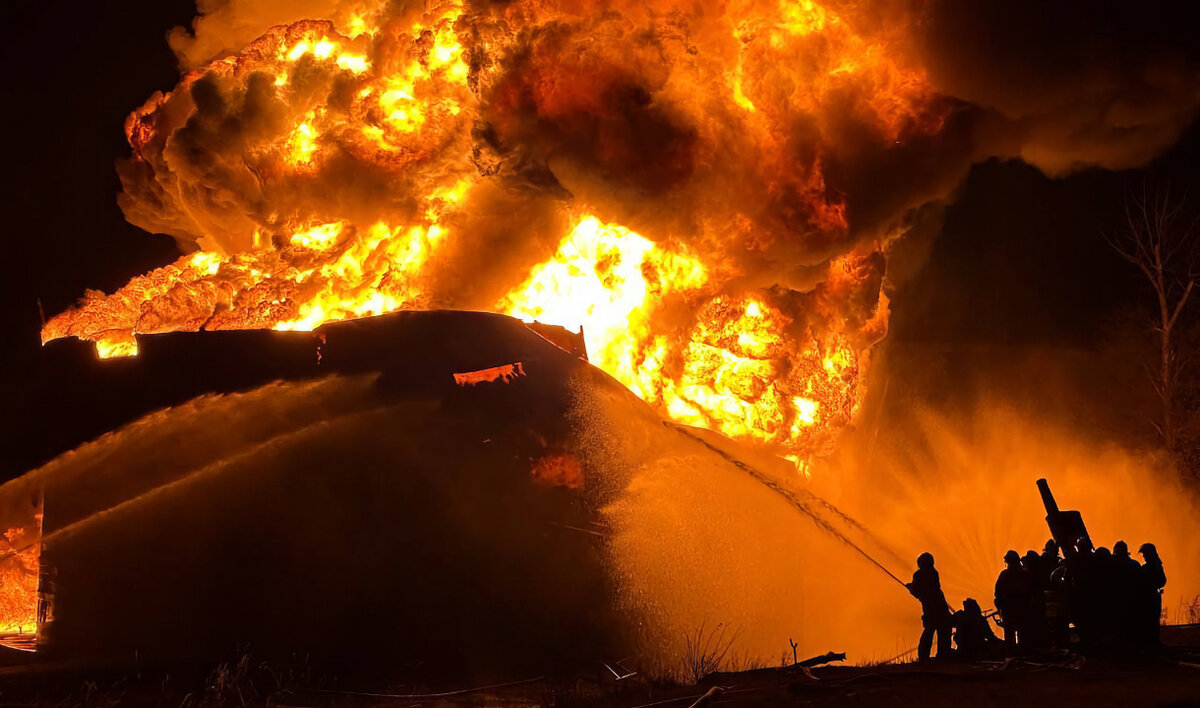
1065, 526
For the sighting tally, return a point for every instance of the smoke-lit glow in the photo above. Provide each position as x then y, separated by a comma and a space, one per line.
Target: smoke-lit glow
367, 145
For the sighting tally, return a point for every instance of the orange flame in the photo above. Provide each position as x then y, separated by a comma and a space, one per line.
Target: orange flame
367, 139
733, 368
20, 562
558, 469
503, 374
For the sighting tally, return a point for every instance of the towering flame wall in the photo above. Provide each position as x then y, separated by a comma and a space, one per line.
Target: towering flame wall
657, 179
708, 189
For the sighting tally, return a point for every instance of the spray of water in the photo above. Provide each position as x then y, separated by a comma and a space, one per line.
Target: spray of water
802, 500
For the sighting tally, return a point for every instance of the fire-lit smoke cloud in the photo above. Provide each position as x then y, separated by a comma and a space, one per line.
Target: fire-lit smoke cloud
711, 189
1067, 85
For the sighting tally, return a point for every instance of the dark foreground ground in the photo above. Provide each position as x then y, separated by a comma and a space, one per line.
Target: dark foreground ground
247, 682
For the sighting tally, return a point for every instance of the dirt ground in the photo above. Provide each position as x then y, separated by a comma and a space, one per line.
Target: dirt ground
1061, 680
1015, 684
1062, 684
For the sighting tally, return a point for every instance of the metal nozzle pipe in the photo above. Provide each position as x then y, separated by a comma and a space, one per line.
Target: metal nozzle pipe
1047, 497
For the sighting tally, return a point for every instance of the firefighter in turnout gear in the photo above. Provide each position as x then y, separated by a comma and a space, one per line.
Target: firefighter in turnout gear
926, 586
1014, 600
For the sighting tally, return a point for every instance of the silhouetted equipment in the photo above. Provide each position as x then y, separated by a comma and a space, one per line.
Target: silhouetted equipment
570, 342
1065, 526
973, 635
827, 657
1099, 601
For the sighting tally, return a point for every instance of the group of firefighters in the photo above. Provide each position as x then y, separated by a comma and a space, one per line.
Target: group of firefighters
1092, 600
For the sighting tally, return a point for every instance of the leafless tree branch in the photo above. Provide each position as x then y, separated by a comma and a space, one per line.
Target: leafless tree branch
1165, 253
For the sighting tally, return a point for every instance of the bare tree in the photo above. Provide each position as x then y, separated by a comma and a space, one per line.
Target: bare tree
1158, 240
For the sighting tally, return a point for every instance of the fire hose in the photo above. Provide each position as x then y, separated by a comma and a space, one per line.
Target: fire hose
787, 494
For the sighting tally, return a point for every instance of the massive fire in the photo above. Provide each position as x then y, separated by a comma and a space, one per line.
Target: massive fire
733, 368
20, 565
671, 166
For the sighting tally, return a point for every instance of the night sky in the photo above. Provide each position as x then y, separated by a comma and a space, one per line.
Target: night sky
1019, 260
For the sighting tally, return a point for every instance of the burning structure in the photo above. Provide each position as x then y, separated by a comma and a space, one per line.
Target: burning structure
347, 544
688, 184
380, 148
398, 458
711, 192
